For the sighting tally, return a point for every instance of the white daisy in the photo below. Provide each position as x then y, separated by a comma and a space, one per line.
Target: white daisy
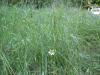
51, 52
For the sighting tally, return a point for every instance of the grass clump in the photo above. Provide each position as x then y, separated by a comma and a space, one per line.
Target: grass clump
27, 35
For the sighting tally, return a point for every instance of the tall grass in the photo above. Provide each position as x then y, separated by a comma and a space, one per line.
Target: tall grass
27, 35
44, 3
